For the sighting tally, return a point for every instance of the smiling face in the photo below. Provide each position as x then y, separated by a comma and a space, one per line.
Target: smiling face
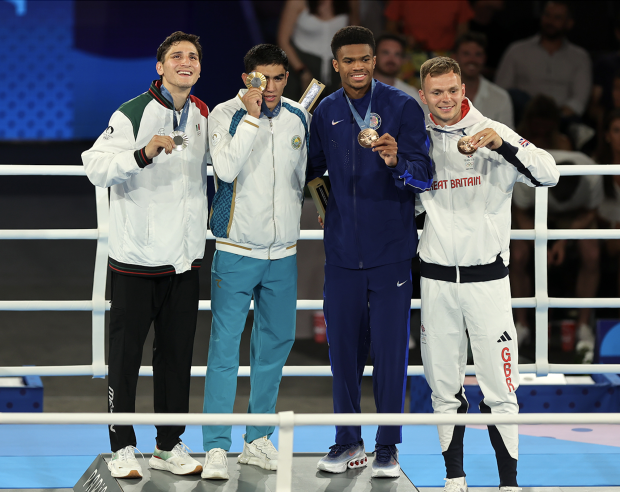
389, 57
443, 94
470, 56
355, 64
181, 66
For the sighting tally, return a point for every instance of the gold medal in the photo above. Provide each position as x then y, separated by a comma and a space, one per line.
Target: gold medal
465, 146
366, 137
256, 80
180, 139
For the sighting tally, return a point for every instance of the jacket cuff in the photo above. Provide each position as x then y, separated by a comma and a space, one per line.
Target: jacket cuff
141, 159
507, 151
400, 167
250, 120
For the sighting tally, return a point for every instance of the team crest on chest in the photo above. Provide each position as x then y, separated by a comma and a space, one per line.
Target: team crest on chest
296, 142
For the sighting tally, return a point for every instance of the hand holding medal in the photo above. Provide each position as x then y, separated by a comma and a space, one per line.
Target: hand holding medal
387, 147
256, 83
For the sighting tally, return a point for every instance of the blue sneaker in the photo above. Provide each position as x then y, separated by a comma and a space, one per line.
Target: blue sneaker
343, 456
385, 464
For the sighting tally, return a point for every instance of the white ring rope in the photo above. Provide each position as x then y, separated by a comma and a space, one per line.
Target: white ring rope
98, 305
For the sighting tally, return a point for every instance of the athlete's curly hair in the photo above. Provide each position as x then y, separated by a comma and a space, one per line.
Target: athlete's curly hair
352, 35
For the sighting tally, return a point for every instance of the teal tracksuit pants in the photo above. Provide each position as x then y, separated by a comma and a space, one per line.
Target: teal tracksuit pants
234, 280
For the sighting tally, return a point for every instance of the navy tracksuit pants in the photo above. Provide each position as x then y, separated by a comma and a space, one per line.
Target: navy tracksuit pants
368, 310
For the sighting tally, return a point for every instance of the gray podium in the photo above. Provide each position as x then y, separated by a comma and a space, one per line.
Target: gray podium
243, 478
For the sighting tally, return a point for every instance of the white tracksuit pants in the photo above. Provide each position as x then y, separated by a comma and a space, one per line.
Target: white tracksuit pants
484, 309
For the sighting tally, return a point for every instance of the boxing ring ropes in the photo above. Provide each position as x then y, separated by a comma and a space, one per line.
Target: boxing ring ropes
286, 421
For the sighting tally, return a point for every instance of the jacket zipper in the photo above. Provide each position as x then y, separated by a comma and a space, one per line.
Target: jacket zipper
450, 194
355, 150
273, 209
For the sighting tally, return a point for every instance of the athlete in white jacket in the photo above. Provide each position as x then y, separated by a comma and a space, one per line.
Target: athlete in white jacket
158, 228
259, 146
464, 257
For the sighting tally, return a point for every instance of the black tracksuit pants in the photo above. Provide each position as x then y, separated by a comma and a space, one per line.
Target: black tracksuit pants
171, 303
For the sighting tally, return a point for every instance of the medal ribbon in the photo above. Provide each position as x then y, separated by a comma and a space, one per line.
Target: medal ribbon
180, 126
267, 112
365, 123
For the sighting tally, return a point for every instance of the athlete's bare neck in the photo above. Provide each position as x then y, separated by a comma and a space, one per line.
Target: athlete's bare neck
357, 93
179, 95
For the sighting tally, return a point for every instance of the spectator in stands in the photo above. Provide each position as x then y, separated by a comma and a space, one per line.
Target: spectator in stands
609, 153
305, 34
573, 204
548, 64
427, 25
389, 51
541, 124
490, 99
606, 72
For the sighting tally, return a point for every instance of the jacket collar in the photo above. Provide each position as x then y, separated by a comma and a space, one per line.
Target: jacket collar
155, 93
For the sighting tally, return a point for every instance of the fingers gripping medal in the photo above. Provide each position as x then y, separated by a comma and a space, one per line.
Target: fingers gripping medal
466, 146
256, 80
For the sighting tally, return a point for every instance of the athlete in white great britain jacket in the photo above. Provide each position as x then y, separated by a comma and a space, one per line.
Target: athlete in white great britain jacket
464, 257
259, 166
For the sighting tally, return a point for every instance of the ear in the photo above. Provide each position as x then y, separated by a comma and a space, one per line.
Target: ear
423, 97
160, 68
243, 77
463, 87
285, 79
335, 64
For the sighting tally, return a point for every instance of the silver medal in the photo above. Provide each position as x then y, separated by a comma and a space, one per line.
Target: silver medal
180, 139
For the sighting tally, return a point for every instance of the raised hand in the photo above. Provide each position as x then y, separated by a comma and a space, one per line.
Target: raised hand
388, 148
157, 144
252, 100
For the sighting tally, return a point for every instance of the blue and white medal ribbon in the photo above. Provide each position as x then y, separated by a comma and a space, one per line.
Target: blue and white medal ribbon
367, 135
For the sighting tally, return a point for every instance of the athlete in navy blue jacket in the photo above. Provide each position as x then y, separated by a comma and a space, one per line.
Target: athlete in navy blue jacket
370, 239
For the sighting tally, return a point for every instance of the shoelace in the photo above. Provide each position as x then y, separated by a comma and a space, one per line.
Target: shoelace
181, 449
337, 449
383, 454
217, 456
452, 486
128, 452
266, 446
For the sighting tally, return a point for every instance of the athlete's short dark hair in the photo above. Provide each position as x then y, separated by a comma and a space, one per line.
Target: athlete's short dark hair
352, 35
265, 54
174, 38
390, 37
471, 37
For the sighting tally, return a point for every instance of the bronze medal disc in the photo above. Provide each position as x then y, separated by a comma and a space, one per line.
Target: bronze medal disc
465, 146
367, 137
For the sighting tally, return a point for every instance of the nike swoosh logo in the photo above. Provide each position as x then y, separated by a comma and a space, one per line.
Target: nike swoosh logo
398, 284
336, 122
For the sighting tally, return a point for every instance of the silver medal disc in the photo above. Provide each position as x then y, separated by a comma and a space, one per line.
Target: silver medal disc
180, 139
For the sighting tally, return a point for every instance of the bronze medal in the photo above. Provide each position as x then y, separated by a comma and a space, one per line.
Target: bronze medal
465, 146
366, 137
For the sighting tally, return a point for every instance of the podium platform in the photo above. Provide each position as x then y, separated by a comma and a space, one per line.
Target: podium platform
243, 478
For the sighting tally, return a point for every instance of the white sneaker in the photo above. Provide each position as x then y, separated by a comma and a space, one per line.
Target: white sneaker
524, 334
216, 465
455, 485
260, 452
510, 489
585, 343
124, 464
177, 461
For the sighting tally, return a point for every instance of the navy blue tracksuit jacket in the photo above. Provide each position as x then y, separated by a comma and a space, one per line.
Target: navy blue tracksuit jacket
369, 219
370, 239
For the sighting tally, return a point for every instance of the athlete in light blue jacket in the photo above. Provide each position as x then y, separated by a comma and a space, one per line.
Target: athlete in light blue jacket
259, 147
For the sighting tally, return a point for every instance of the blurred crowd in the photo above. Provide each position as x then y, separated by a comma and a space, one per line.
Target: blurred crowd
548, 70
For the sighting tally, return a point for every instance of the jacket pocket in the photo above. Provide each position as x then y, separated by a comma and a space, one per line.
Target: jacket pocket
494, 231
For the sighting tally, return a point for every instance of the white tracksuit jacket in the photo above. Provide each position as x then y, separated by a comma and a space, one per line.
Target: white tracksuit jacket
158, 208
260, 171
464, 253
